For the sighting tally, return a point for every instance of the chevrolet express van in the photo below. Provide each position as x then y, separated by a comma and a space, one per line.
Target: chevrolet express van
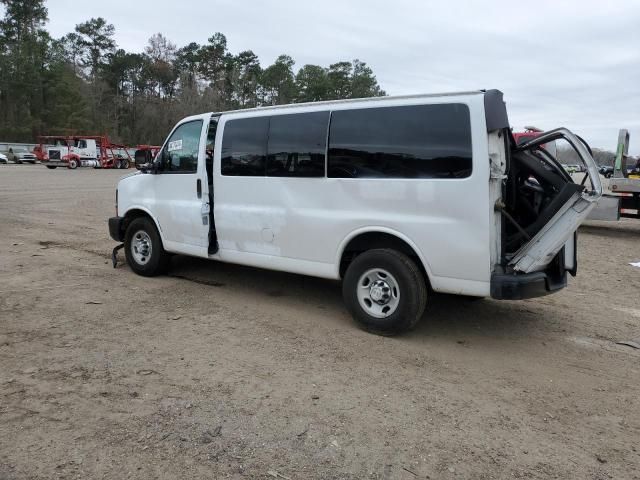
394, 196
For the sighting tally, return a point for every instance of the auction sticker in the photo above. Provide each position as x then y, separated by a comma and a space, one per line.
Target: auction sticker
175, 145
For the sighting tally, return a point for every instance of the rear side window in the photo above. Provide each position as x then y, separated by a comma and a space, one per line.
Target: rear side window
421, 141
297, 145
244, 147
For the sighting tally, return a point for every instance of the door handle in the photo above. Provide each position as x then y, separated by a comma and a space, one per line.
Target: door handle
199, 188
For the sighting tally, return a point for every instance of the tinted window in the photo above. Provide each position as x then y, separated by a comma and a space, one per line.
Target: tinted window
297, 145
422, 141
244, 146
180, 154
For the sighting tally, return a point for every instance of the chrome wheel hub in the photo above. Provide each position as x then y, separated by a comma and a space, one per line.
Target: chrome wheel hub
141, 247
378, 293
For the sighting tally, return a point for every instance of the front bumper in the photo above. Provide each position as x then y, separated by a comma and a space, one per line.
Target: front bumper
519, 286
116, 228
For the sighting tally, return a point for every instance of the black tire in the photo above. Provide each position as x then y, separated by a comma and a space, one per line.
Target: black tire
124, 163
73, 164
158, 260
411, 297
51, 167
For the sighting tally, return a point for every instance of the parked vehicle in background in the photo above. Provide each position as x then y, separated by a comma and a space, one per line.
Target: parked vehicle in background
624, 184
75, 151
21, 155
390, 195
3, 158
531, 133
606, 171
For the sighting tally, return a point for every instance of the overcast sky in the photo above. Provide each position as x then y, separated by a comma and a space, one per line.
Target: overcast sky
573, 63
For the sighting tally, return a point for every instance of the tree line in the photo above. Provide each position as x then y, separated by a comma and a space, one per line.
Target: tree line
84, 83
568, 156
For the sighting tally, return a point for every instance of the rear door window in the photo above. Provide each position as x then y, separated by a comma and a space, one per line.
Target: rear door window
244, 147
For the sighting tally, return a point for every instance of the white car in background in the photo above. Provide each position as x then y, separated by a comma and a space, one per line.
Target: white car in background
3, 158
21, 155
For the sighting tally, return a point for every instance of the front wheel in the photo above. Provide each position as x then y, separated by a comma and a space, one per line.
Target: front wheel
73, 164
143, 248
384, 291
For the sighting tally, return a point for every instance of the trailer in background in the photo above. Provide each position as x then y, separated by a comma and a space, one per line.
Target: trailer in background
623, 201
73, 151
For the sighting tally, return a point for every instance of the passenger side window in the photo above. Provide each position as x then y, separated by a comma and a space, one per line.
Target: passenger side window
414, 141
244, 147
180, 154
297, 145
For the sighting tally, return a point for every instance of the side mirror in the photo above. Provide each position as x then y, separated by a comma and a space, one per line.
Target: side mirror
140, 158
144, 161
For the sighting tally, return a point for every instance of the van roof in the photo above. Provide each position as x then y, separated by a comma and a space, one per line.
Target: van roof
355, 100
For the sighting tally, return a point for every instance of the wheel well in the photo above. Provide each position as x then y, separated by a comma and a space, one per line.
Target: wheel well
131, 215
370, 240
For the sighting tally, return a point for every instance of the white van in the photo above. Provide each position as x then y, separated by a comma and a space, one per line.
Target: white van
395, 196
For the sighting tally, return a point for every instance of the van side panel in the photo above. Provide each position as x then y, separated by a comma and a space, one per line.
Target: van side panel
274, 220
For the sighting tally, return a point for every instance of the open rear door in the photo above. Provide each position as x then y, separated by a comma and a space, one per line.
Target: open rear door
570, 209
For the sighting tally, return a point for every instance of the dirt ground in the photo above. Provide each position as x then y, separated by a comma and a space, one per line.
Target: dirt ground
221, 371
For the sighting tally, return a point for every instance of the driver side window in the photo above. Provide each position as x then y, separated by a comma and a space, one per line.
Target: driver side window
180, 154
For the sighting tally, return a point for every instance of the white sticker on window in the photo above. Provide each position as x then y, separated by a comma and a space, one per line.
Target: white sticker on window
175, 145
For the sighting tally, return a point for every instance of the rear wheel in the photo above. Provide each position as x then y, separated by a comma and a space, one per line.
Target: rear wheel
143, 248
384, 291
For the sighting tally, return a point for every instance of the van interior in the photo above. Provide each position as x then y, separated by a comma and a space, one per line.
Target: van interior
536, 189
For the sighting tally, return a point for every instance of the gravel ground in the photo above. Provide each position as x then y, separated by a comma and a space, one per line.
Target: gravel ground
221, 371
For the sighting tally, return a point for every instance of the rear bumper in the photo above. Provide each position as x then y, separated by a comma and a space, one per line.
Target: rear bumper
116, 229
525, 285
519, 286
